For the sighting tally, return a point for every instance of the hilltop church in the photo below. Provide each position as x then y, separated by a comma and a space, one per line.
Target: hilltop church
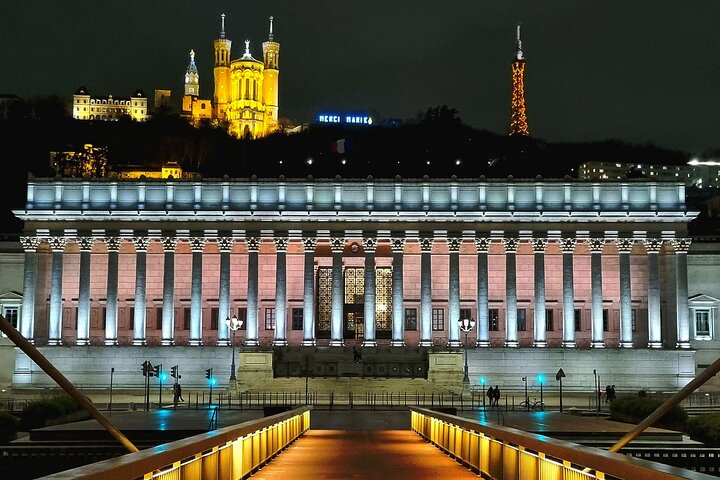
246, 89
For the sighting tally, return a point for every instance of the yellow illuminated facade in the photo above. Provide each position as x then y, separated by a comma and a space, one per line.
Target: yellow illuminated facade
518, 116
88, 107
246, 89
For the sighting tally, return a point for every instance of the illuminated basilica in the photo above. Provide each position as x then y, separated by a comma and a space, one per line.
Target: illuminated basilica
246, 89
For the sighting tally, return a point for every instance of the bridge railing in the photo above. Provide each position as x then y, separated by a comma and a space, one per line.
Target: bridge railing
229, 453
506, 453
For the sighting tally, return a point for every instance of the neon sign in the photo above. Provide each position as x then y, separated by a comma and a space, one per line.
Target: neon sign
351, 119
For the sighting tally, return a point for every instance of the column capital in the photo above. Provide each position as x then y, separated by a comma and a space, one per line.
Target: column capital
253, 243
85, 243
426, 243
309, 243
454, 243
281, 243
539, 245
369, 244
29, 244
141, 243
169, 243
624, 245
482, 244
112, 243
225, 243
653, 245
337, 244
596, 244
567, 245
681, 245
57, 244
510, 244
397, 244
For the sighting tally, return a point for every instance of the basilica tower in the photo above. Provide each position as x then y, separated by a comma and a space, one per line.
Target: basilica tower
221, 73
271, 58
518, 116
192, 78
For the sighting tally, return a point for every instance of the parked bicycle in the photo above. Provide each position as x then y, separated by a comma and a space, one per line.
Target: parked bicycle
532, 404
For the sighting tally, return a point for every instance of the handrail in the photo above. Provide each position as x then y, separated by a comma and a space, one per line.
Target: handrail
504, 452
232, 452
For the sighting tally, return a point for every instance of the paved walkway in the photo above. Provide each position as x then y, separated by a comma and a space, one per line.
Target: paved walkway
362, 454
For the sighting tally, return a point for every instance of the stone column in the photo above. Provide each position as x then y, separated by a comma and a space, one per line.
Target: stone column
309, 244
511, 339
197, 245
225, 244
369, 245
336, 326
652, 247
139, 321
281, 244
27, 318
596, 292
426, 243
111, 302
454, 291
252, 333
624, 246
483, 324
681, 247
57, 245
83, 314
540, 333
168, 310
568, 248
398, 324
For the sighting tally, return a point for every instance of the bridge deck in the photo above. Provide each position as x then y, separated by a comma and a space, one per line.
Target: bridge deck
366, 454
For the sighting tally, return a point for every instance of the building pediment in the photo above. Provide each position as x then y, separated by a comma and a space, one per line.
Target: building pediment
701, 298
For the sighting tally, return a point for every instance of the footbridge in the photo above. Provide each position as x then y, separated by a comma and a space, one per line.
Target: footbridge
435, 445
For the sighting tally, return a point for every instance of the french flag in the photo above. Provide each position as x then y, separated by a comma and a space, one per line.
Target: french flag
339, 146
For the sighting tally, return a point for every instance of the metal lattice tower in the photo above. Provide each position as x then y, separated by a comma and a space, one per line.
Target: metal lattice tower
518, 116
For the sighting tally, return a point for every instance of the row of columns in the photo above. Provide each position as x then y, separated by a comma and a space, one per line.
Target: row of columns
197, 244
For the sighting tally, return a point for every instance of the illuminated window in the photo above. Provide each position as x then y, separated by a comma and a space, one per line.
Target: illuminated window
269, 319
11, 314
438, 319
703, 324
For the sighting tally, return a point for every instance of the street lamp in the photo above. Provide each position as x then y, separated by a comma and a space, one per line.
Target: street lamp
541, 380
527, 405
465, 326
234, 325
483, 380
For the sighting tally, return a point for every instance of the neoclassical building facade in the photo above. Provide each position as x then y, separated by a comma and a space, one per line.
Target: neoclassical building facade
539, 264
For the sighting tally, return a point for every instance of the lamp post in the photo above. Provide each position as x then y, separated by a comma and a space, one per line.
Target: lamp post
234, 325
466, 325
541, 380
483, 380
527, 405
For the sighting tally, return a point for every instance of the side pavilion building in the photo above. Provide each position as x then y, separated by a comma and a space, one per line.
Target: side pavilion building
556, 273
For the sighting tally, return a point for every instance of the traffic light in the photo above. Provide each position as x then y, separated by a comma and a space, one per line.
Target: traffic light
147, 369
209, 373
174, 371
157, 370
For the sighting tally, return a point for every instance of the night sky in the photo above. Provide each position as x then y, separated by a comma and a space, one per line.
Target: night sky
638, 71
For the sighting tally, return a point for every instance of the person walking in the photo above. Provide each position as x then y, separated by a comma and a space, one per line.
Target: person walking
491, 396
496, 394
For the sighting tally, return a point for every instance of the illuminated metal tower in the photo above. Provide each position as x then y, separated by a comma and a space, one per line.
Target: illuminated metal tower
518, 117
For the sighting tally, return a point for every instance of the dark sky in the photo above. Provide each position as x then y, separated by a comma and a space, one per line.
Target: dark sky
640, 71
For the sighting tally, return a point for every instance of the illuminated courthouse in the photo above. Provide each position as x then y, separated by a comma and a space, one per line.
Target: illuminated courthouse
114, 265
